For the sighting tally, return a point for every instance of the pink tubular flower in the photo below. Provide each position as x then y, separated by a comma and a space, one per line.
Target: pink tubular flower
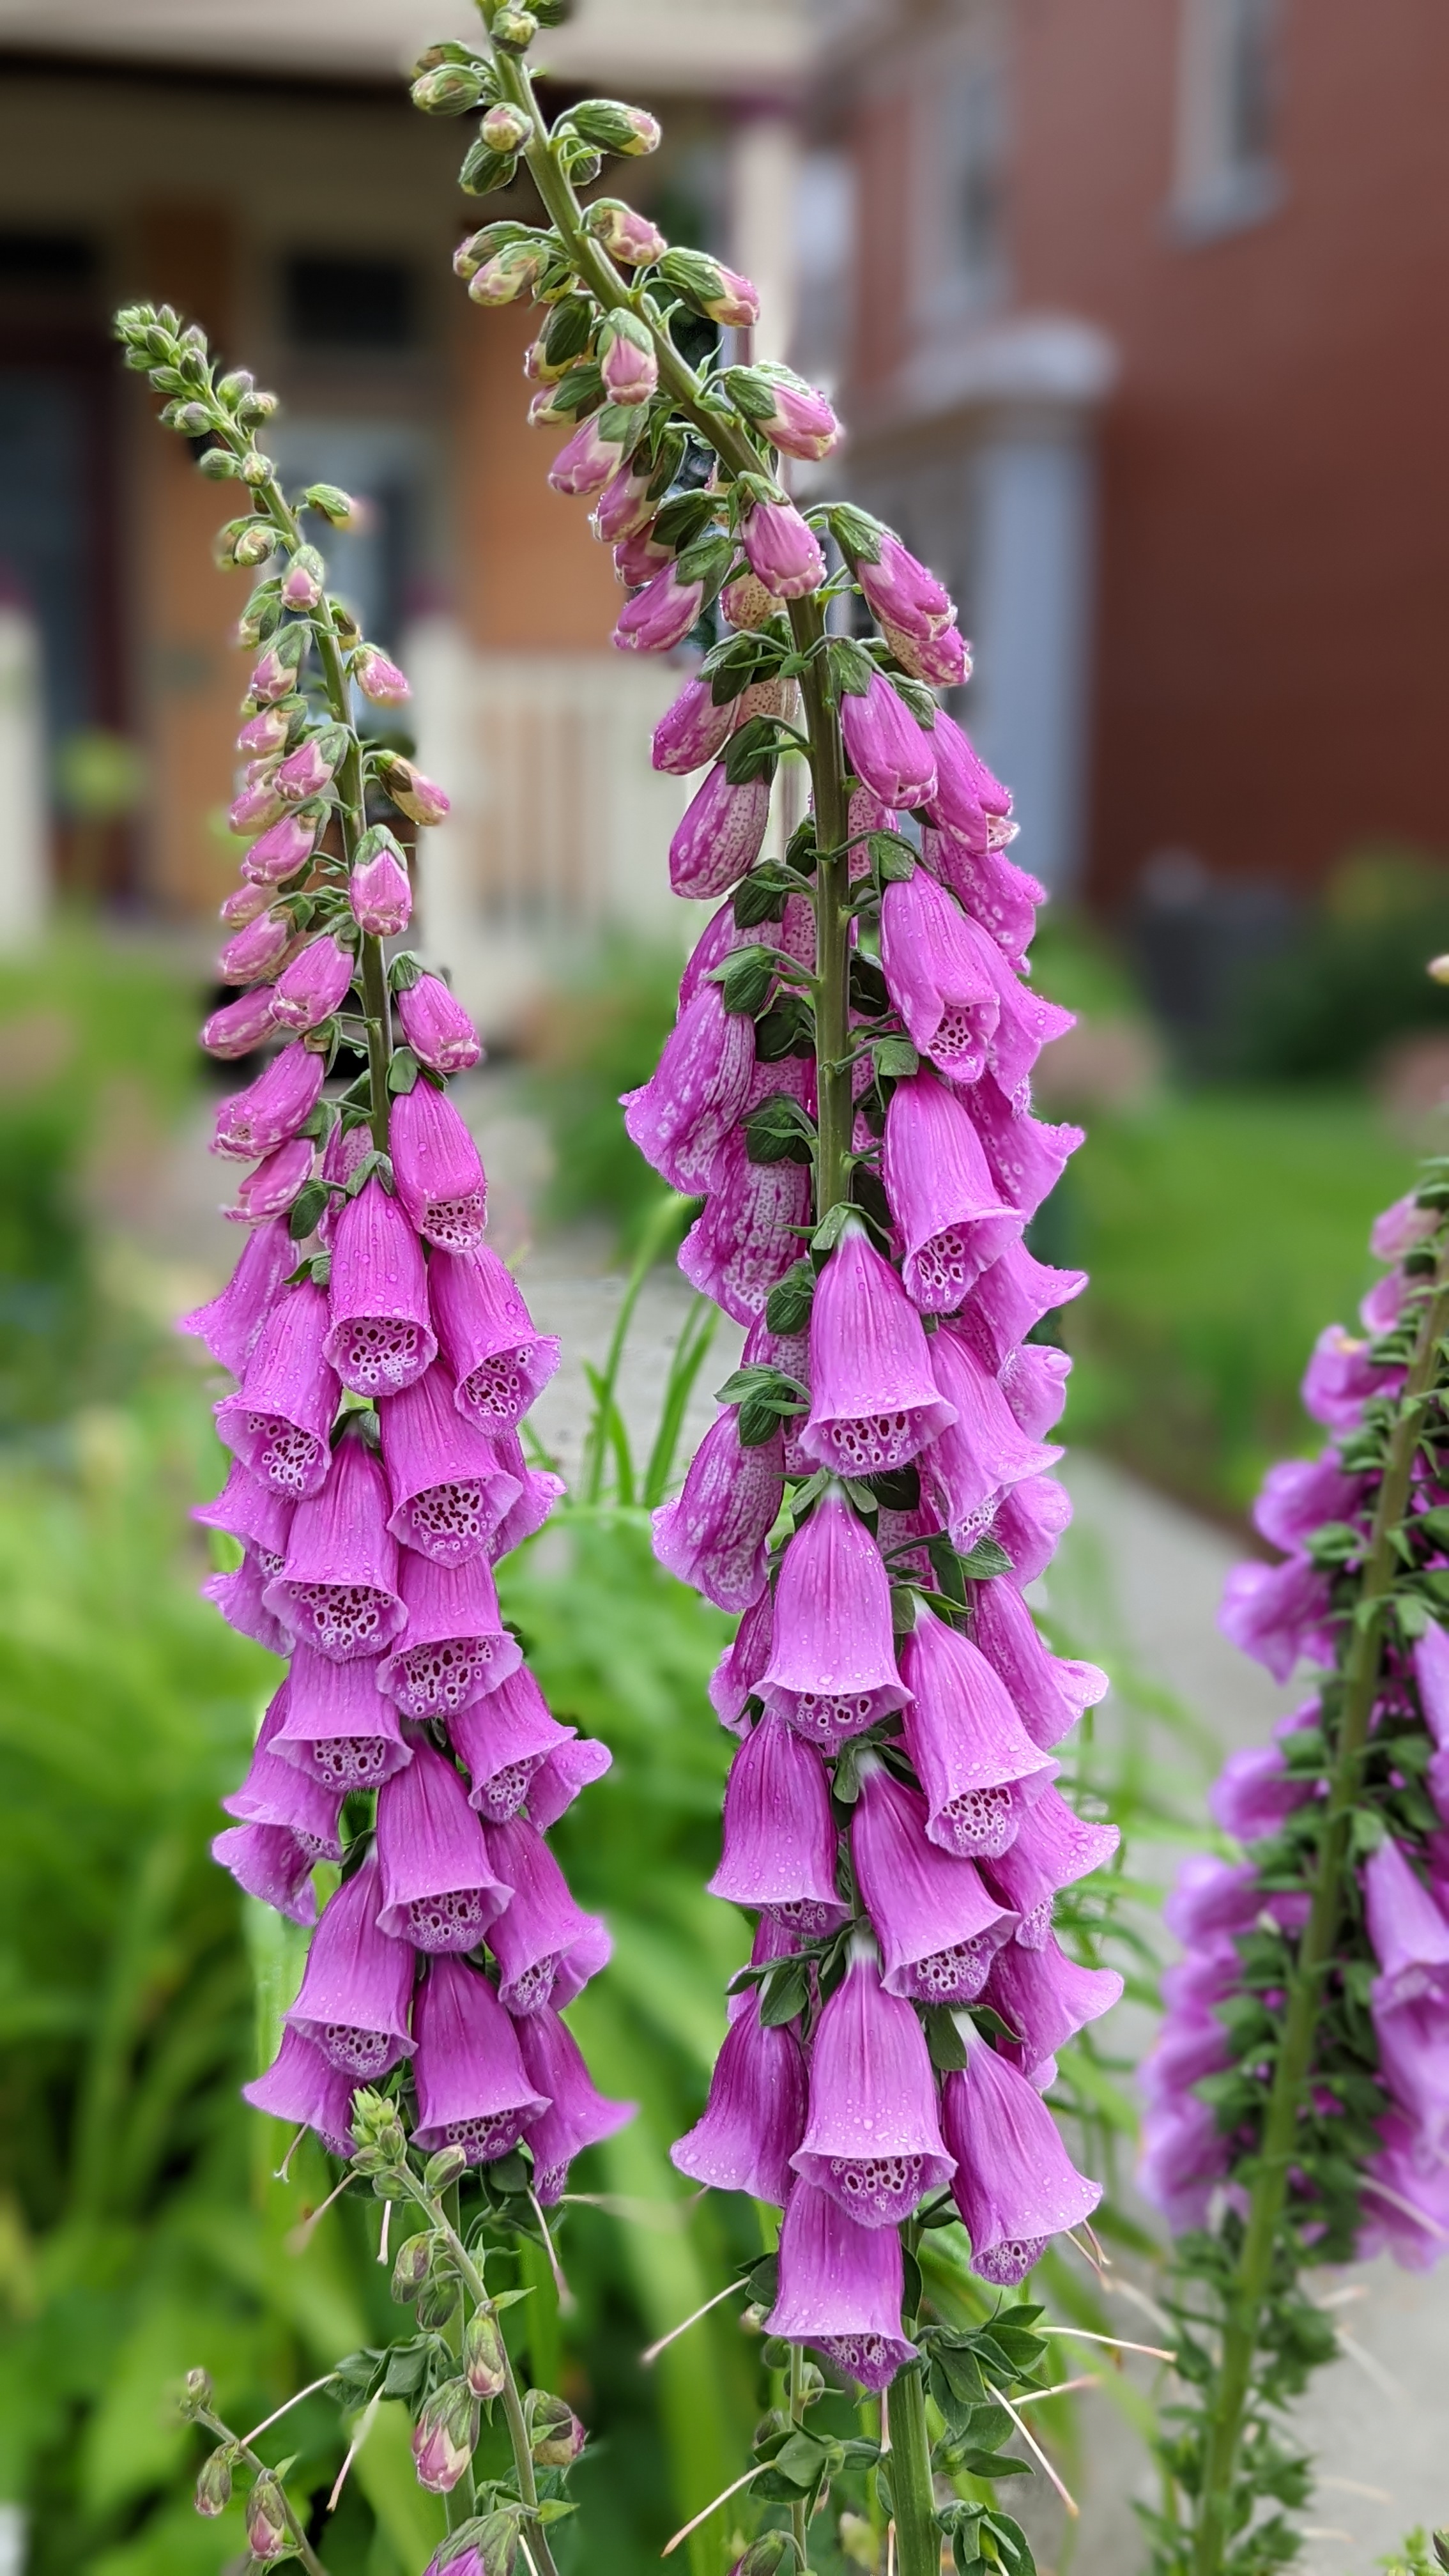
840, 2288
624, 506
437, 1027
638, 557
952, 1216
417, 796
316, 984
259, 803
660, 615
942, 974
453, 1647
282, 849
1011, 1296
379, 1338
694, 729
938, 1925
779, 1833
889, 752
229, 1323
755, 2115
279, 1420
474, 2090
243, 904
379, 896
873, 2138
308, 769
1299, 1495
272, 1108
379, 679
270, 1189
586, 462
832, 1668
575, 2114
500, 1363
801, 422
256, 951
438, 1169
546, 1947
504, 1742
1045, 1997
975, 1762
627, 361
336, 1726
942, 661
713, 1536
1048, 1692
874, 1404
1003, 898
680, 1117
901, 591
278, 1794
450, 1493
239, 1027
435, 1887
984, 1449
720, 836
1052, 1848
1015, 2184
966, 793
272, 1864
1339, 1380
782, 550
337, 1590
356, 1990
301, 2086
745, 1240
1279, 1614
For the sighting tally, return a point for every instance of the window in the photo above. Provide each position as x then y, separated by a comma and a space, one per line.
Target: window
338, 303
1227, 115
963, 179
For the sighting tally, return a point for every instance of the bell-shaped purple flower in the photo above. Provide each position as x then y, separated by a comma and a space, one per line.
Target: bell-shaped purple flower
693, 730
357, 1986
1033, 1379
1409, 1932
254, 1513
1339, 1380
272, 1864
1048, 1692
257, 949
276, 1792
239, 1597
832, 1668
1405, 2210
1255, 1792
284, 847
983, 1449
437, 1890
272, 1108
937, 1924
336, 1725
1052, 1848
585, 462
874, 1403
504, 1742
337, 1590
720, 836
782, 549
1011, 1296
229, 1324
567, 1771
270, 1189
800, 421
437, 1027
1045, 1997
539, 1490
500, 1363
474, 2090
1028, 1521
1279, 1614
887, 750
546, 1947
966, 793
239, 1027
941, 971
736, 1677
304, 2088
1016, 2186
873, 2139
950, 1214
722, 935
577, 2115
745, 1240
1027, 1157
380, 1338
998, 894
449, 1491
1210, 1897
900, 589
1299, 1494
680, 1117
316, 984
840, 2288
279, 1420
454, 1646
438, 1169
379, 897
1185, 2156
713, 1535
754, 2118
966, 1741
779, 1832
1431, 1679
660, 615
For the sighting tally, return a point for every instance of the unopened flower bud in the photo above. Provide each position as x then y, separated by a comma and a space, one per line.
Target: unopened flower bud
375, 2123
268, 2536
315, 985
258, 804
610, 126
710, 288
450, 89
330, 502
301, 583
379, 896
437, 1027
256, 469
624, 233
627, 361
496, 2542
504, 128
514, 30
275, 675
196, 2393
256, 951
308, 769
266, 732
284, 847
239, 1027
254, 543
378, 678
555, 2433
444, 2168
420, 798
766, 2556
410, 2270
444, 2435
485, 2362
243, 905
507, 273
213, 2485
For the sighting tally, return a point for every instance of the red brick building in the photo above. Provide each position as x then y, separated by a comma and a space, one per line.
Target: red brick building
1149, 346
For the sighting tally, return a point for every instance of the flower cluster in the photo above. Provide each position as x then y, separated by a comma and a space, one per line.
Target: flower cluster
382, 1361
847, 1090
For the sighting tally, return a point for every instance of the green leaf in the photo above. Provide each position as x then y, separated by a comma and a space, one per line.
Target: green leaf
779, 1131
985, 1559
305, 1210
855, 531
787, 1308
745, 979
895, 1059
851, 668
784, 1995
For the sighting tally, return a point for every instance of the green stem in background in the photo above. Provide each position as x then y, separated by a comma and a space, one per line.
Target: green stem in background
1315, 1957
800, 2509
918, 2534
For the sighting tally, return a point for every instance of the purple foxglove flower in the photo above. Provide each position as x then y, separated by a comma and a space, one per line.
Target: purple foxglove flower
417, 796
1016, 2186
308, 769
1033, 1379
965, 793
736, 1678
379, 1339
624, 506
300, 587
379, 679
379, 897
577, 2114
438, 1169
1010, 1297
713, 1535
586, 462
983, 1448
229, 1323
746, 602
952, 1218
240, 1598
1431, 1676
941, 970
832, 1668
244, 903
1026, 1156
253, 1512
546, 1947
1406, 2206
1378, 1311
335, 1725
1399, 1228
1255, 1793
504, 1741
942, 660
449, 1491
259, 804
436, 1889
660, 615
272, 1108
1028, 1521
729, 297
887, 750
795, 934
840, 2288
272, 677
755, 2116
338, 1590
801, 422
966, 1742
1001, 896
1046, 1997
272, 1864
1190, 2046
1211, 1896
1409, 1932
283, 848
437, 1027
256, 951
1048, 1692
357, 1985
568, 1771
721, 835
474, 2090
239, 1027
316, 984
301, 2086
278, 1792
937, 1924
1339, 1380
444, 2437
270, 1189
625, 234
873, 2139
454, 1646
279, 1420
638, 558
680, 1117
628, 366
1052, 1848
1278, 1613
538, 1492
1413, 2049
900, 588
1185, 2155
745, 1240
693, 730
1204, 1979
779, 1833
874, 1403
782, 550
501, 1364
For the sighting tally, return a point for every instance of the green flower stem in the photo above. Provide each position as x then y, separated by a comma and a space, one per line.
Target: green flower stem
800, 2509
1315, 1958
242, 2452
834, 1094
918, 2534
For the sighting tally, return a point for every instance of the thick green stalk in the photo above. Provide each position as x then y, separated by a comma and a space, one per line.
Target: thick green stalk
918, 2534
799, 2510
1315, 1958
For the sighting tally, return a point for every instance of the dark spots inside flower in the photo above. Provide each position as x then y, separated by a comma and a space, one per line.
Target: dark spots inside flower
455, 1225
980, 1824
889, 2186
530, 1991
450, 1523
452, 1920
350, 1761
490, 2134
340, 1619
379, 1354
873, 1444
498, 1387
358, 2052
447, 1674
1005, 2265
954, 1976
501, 1796
283, 1455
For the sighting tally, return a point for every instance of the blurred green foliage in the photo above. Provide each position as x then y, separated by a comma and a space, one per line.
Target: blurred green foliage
597, 1036
1354, 979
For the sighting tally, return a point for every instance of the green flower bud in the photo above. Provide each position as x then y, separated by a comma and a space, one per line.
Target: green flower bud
450, 89
213, 2486
485, 2362
268, 2535
410, 2270
218, 464
256, 541
554, 2430
196, 2393
444, 2435
449, 2162
438, 2297
505, 128
496, 2542
610, 126
256, 468
766, 2556
514, 30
